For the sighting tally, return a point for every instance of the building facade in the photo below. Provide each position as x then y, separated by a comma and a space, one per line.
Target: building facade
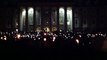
50, 17
54, 17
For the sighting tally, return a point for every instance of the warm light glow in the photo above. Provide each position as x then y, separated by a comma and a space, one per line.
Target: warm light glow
18, 36
54, 39
47, 29
5, 38
38, 29
77, 40
1, 38
60, 30
101, 34
96, 34
16, 30
45, 34
44, 39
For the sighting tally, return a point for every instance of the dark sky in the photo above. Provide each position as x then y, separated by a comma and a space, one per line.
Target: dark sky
75, 2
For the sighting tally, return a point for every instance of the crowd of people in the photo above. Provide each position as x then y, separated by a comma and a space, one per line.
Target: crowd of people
53, 39
50, 42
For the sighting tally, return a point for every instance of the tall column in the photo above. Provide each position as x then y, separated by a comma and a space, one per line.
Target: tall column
34, 19
26, 19
81, 18
50, 21
41, 10
57, 18
65, 19
73, 18
19, 18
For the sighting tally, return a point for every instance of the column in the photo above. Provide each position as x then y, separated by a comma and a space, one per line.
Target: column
26, 19
57, 18
73, 18
19, 18
50, 21
41, 10
65, 19
81, 18
34, 20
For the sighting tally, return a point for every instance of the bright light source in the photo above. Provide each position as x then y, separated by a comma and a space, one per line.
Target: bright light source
16, 30
60, 30
96, 34
80, 36
18, 36
28, 36
1, 38
72, 37
12, 32
61, 10
44, 39
77, 40
23, 12
38, 38
68, 23
5, 38
34, 39
45, 34
30, 11
101, 34
54, 39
